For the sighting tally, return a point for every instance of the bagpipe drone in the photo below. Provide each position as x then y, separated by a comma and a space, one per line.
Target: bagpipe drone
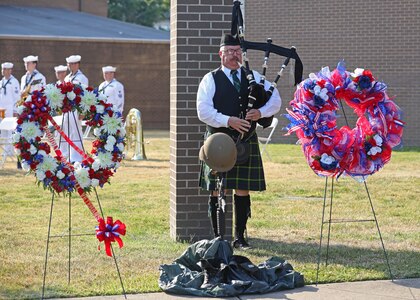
258, 96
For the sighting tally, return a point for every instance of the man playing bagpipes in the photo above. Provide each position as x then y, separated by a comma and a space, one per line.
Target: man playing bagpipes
222, 104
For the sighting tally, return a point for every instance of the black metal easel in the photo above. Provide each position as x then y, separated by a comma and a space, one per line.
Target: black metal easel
69, 234
330, 220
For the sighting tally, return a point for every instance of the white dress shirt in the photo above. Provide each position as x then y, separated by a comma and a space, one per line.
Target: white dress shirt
114, 92
205, 107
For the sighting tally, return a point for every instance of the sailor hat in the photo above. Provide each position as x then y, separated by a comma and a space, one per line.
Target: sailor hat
60, 68
108, 69
73, 59
30, 58
6, 65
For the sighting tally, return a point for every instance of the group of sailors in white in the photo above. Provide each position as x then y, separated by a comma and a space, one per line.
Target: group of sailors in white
11, 92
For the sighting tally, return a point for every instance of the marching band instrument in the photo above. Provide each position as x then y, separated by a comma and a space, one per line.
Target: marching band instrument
27, 91
134, 134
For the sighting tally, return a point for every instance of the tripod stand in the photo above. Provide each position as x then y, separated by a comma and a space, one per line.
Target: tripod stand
221, 203
329, 221
70, 235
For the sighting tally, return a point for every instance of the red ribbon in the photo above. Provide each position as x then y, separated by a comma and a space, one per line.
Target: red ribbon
68, 140
110, 232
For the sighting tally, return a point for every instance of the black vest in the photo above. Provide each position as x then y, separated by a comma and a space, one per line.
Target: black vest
227, 100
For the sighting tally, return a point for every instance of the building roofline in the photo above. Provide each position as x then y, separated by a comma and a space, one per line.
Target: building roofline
80, 38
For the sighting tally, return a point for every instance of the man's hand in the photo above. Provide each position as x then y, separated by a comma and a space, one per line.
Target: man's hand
238, 124
253, 115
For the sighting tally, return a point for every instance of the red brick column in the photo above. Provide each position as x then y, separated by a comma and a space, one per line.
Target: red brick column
196, 28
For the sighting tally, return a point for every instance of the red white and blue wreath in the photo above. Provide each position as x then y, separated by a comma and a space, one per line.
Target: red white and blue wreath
51, 169
360, 151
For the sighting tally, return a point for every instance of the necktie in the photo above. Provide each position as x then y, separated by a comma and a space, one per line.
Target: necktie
236, 82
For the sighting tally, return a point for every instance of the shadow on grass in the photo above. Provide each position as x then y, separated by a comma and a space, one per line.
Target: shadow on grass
12, 172
404, 263
129, 161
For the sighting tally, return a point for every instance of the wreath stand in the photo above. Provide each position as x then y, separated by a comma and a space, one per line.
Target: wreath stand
329, 221
70, 235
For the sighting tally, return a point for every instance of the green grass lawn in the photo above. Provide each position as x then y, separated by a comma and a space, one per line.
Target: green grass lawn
285, 222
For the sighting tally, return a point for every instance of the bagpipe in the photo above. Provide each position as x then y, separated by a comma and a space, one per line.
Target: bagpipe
258, 96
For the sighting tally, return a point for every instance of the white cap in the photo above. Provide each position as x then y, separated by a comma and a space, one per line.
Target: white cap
73, 59
6, 65
108, 69
30, 58
60, 68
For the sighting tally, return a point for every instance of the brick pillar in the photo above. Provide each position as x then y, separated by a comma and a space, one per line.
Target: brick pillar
196, 28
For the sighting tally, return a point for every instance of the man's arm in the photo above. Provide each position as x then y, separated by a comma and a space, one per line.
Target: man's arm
205, 108
15, 95
121, 96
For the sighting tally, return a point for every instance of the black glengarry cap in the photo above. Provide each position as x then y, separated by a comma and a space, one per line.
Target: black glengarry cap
229, 40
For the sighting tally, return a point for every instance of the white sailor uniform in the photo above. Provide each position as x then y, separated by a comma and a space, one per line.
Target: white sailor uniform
9, 96
72, 126
114, 92
35, 79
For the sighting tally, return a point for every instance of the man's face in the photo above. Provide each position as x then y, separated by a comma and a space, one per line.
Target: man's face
73, 67
60, 75
108, 76
30, 66
230, 56
6, 72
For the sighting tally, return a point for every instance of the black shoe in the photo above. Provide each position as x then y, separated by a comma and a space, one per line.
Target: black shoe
240, 244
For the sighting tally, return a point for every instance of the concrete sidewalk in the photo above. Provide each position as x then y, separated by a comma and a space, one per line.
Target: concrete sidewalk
369, 290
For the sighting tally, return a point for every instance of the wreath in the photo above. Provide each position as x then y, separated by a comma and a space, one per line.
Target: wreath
330, 151
54, 172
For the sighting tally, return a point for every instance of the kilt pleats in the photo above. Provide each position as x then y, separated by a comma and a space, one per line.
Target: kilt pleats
247, 176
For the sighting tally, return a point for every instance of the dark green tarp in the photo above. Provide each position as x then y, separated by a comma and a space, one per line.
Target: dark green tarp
209, 268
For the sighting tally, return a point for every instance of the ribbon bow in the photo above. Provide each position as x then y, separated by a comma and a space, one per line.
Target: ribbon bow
110, 232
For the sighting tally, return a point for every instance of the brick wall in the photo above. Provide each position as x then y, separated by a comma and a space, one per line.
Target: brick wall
196, 28
95, 7
381, 35
143, 68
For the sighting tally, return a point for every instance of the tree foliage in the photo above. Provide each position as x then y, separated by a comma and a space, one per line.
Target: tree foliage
143, 12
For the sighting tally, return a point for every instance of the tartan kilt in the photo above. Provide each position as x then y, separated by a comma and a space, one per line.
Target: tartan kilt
247, 176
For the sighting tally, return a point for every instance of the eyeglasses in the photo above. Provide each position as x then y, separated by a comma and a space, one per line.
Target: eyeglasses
233, 51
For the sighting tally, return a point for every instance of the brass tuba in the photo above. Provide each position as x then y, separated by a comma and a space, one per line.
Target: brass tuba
134, 134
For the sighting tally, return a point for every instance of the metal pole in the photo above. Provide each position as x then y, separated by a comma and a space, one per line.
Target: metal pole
379, 232
112, 249
118, 271
69, 264
48, 242
322, 227
329, 221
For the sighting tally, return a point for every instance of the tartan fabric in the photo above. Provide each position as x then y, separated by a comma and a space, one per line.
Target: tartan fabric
248, 176
236, 81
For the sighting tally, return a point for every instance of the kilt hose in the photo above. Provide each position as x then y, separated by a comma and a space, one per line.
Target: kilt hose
247, 176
